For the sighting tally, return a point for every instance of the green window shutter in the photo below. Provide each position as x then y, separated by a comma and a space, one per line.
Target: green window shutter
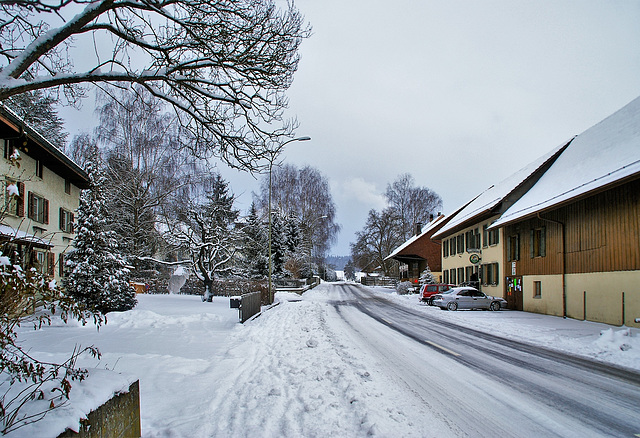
543, 242
532, 243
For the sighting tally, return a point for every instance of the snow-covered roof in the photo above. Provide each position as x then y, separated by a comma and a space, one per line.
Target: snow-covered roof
424, 230
54, 158
492, 196
603, 154
21, 236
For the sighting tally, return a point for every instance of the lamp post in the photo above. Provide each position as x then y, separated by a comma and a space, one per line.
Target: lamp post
274, 154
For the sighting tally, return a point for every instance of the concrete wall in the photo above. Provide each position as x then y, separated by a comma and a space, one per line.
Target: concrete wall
608, 297
117, 418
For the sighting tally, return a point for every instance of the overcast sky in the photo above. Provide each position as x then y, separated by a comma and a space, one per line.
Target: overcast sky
460, 94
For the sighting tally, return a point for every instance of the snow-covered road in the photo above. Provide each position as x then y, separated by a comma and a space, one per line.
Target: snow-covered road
319, 365
477, 384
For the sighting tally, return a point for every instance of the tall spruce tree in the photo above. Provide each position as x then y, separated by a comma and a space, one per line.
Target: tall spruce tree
98, 276
255, 252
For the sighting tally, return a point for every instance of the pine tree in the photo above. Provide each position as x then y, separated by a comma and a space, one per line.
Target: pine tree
278, 244
426, 277
255, 246
98, 276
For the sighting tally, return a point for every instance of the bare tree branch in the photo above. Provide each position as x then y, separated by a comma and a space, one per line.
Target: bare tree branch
223, 65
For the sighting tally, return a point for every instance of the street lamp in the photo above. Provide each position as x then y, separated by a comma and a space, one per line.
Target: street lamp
273, 156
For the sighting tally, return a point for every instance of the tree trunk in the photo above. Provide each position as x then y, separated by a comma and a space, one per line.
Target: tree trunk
208, 291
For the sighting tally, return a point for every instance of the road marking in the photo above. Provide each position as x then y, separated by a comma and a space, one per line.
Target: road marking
442, 348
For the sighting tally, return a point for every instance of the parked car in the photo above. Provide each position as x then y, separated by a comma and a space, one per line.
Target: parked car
467, 298
427, 291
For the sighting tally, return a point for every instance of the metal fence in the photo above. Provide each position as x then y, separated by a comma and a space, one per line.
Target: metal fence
249, 305
379, 281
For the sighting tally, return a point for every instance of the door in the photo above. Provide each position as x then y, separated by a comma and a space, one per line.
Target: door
514, 293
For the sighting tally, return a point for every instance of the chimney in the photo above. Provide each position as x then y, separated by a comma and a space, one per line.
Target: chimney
418, 228
431, 217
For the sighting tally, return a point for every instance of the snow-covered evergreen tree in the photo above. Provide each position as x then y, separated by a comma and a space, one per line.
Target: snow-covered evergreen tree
279, 246
97, 272
426, 277
255, 251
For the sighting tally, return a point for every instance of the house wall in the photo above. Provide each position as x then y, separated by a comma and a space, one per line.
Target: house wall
489, 254
608, 297
51, 187
550, 300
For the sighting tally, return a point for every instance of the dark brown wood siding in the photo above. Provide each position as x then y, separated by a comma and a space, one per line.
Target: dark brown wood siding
602, 234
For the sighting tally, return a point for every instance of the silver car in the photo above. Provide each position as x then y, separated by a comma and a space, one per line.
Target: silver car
467, 298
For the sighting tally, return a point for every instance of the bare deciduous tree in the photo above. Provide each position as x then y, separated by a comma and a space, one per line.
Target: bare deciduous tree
412, 204
204, 230
380, 236
145, 165
223, 65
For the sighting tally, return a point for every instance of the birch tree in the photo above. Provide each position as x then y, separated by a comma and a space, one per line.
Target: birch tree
304, 193
222, 65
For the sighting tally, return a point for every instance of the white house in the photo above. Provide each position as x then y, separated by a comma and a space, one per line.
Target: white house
36, 226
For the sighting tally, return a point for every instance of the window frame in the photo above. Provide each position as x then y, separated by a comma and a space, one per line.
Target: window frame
38, 209
66, 220
537, 290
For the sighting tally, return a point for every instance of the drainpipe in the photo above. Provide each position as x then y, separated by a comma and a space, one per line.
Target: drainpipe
564, 263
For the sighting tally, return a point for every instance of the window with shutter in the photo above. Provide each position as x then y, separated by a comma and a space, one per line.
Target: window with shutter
66, 220
538, 242
38, 209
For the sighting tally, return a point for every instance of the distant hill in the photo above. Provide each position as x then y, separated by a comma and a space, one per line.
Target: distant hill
338, 261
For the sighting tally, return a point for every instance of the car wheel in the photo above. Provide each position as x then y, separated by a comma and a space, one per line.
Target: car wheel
495, 306
452, 306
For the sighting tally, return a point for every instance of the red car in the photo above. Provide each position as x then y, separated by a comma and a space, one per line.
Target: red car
427, 291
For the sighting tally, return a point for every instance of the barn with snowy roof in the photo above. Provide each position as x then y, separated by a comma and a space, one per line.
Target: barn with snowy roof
572, 241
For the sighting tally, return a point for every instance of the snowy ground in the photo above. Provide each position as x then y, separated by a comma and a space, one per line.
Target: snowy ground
294, 371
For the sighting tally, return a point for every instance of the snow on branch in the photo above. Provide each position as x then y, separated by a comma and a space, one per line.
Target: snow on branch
222, 65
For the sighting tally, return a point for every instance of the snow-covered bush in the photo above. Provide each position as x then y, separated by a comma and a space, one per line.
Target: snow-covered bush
28, 297
404, 288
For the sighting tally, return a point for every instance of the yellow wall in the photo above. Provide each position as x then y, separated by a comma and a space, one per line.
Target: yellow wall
488, 254
602, 290
550, 301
